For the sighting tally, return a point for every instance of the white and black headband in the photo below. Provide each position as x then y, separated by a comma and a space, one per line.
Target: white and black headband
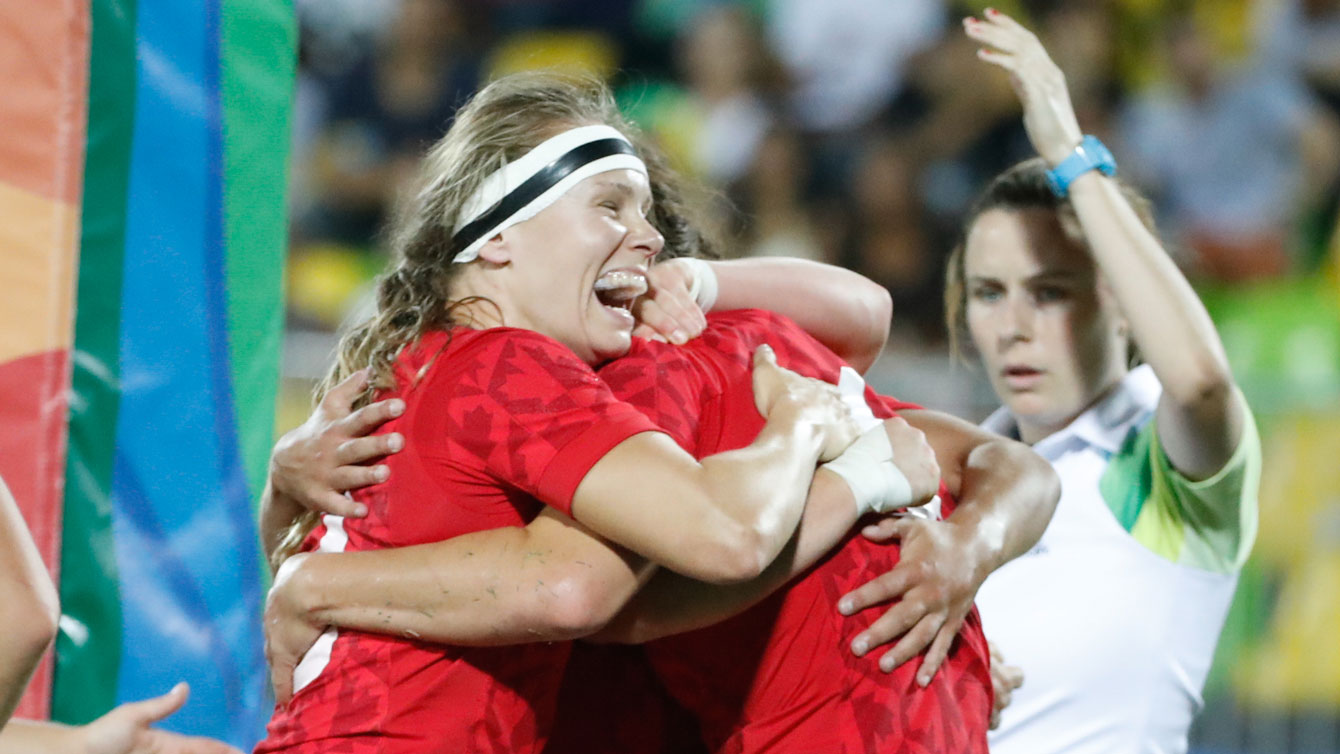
520, 190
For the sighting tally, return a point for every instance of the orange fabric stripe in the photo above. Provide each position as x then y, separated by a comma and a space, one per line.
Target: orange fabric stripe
39, 240
44, 67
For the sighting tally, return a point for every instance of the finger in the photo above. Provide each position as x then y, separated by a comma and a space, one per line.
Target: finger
999, 38
642, 331
893, 527
944, 639
1013, 675
654, 315
366, 420
337, 503
684, 310
1002, 696
1004, 60
281, 677
361, 449
673, 319
339, 400
1005, 20
994, 721
913, 643
881, 589
894, 624
764, 356
152, 710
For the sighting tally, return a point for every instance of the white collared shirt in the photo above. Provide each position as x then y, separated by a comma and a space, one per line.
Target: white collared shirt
1114, 615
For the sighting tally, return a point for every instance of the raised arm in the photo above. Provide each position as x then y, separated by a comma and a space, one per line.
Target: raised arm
29, 606
848, 313
1200, 416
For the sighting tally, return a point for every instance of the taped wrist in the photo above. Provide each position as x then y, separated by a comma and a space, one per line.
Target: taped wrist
704, 287
867, 467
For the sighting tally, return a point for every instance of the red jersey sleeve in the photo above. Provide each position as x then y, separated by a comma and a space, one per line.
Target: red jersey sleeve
534, 416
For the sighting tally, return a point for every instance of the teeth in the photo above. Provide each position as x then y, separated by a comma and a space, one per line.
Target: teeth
622, 284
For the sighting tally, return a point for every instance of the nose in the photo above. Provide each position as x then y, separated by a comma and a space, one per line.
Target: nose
645, 239
1016, 319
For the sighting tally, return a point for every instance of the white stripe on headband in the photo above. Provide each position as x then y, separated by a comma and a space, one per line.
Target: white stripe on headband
520, 190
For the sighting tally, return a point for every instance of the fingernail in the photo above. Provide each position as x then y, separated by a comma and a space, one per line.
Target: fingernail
860, 646
886, 665
383, 473
360, 510
395, 441
397, 407
845, 606
992, 12
678, 337
923, 680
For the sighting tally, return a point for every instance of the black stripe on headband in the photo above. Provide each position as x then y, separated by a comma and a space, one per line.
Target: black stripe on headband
539, 183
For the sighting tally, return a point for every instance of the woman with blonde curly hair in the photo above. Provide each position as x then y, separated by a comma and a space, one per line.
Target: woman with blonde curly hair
517, 265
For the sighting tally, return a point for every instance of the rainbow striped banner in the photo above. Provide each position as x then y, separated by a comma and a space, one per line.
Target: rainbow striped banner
148, 140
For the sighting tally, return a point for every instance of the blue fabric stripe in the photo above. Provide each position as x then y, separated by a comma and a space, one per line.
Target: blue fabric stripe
191, 607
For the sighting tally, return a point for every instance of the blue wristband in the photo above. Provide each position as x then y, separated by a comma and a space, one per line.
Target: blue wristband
1089, 155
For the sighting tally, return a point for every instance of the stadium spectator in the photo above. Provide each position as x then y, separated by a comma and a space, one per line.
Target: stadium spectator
1220, 142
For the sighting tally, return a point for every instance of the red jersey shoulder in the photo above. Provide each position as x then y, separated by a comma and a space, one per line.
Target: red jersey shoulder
745, 330
513, 401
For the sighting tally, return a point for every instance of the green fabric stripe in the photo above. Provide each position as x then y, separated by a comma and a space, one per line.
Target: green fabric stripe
259, 51
1126, 482
1209, 524
88, 659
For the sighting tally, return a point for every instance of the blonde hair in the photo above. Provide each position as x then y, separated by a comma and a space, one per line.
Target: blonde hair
1021, 187
502, 122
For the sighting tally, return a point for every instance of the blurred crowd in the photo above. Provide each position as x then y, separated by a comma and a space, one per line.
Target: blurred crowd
849, 131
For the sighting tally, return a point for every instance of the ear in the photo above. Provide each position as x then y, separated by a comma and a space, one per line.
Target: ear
496, 250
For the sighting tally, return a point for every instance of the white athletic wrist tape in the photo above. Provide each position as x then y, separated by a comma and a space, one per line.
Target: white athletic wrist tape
851, 388
704, 287
867, 467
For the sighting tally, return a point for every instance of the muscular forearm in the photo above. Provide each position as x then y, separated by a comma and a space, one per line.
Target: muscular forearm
549, 581
1005, 492
1005, 501
721, 520
673, 604
848, 313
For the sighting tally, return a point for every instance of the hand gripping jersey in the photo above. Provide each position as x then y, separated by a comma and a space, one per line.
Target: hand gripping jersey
780, 677
497, 423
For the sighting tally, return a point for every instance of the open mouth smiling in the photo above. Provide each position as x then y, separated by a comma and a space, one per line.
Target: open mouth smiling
618, 289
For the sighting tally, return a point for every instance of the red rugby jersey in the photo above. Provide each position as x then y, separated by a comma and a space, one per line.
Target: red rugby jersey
497, 423
780, 677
